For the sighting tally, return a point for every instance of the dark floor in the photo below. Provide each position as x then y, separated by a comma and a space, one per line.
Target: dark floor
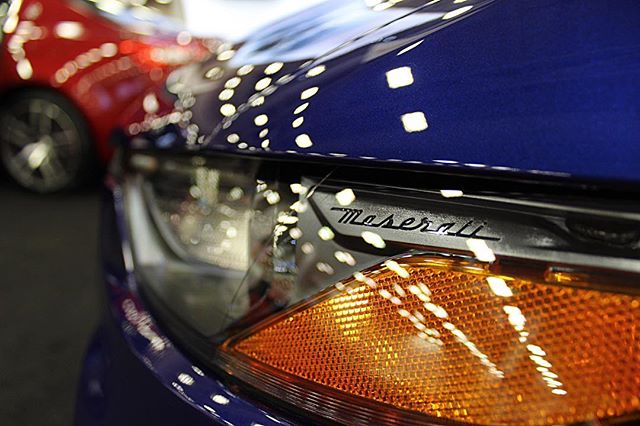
48, 301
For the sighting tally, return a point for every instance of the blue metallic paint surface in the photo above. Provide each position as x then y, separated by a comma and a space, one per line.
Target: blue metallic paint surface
508, 86
133, 374
544, 87
117, 389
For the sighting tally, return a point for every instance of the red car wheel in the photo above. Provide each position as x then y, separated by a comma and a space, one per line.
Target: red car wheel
46, 146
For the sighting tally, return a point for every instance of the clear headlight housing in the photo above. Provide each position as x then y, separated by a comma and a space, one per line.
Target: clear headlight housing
358, 301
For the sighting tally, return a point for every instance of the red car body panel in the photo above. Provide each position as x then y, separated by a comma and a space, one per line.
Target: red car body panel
98, 64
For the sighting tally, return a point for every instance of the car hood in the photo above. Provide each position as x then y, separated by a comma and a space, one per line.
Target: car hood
546, 88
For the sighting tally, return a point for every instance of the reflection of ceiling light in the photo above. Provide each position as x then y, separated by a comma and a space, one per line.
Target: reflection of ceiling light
245, 69
273, 68
451, 193
316, 71
373, 239
414, 122
261, 120
225, 55
297, 188
301, 108
399, 77
345, 197
306, 94
71, 67
214, 73
94, 55
233, 138
272, 196
227, 110
481, 250
296, 233
457, 12
183, 38
219, 399
37, 155
232, 83
297, 122
324, 267
537, 350
325, 233
303, 141
69, 30
186, 379
263, 83
515, 316
226, 94
345, 257
408, 48
109, 50
499, 287
150, 103
395, 267
540, 361
285, 79
24, 69
299, 207
113, 7
287, 219
257, 101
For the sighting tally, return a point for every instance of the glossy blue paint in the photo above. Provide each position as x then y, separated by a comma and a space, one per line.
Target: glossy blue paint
551, 86
545, 87
133, 374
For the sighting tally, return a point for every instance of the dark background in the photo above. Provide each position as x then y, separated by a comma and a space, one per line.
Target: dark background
49, 300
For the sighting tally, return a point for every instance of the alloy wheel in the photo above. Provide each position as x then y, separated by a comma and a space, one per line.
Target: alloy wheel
41, 144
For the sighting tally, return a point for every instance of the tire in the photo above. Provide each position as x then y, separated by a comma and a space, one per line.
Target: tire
45, 143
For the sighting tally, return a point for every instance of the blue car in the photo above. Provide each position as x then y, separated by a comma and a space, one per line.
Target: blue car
381, 212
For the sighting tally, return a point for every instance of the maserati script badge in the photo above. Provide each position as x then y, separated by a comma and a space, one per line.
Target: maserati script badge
460, 229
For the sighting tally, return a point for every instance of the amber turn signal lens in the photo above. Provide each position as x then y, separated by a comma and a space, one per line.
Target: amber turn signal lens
455, 342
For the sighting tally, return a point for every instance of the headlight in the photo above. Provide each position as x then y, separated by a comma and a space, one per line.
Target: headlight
359, 301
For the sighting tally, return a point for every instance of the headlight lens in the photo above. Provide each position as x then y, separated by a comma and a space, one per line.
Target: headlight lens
362, 303
204, 213
191, 229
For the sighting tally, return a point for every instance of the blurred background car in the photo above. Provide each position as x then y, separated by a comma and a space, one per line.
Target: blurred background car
68, 69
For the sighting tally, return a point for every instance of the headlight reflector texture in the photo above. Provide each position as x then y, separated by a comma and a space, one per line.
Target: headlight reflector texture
450, 340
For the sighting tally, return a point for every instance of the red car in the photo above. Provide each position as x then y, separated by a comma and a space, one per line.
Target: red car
68, 70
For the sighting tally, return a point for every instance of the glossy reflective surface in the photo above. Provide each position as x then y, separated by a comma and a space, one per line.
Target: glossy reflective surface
444, 339
132, 365
469, 84
99, 62
240, 251
222, 246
